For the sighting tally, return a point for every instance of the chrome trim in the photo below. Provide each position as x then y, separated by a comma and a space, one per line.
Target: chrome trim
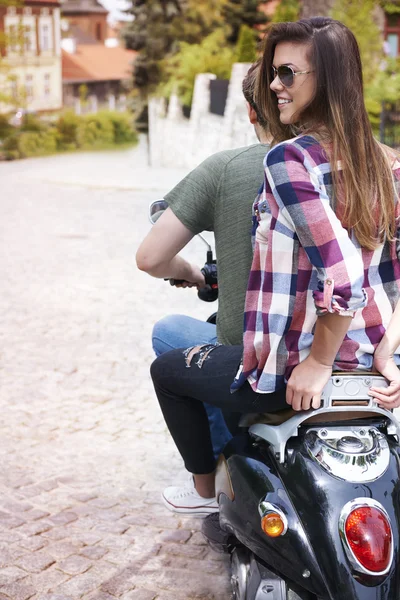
240, 568
156, 209
345, 512
251, 579
264, 508
348, 388
366, 463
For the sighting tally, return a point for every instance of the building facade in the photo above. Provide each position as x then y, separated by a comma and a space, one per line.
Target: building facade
95, 72
87, 16
30, 70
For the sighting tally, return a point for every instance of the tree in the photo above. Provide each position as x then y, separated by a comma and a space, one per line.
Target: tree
383, 91
310, 8
390, 7
243, 12
10, 93
287, 10
356, 14
199, 19
157, 30
212, 55
246, 47
151, 34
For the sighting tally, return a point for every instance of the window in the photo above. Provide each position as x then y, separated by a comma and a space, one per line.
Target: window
392, 20
45, 37
29, 87
13, 38
393, 44
28, 45
98, 31
14, 88
47, 88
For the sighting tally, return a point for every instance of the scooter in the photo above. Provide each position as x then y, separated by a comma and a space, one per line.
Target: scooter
310, 502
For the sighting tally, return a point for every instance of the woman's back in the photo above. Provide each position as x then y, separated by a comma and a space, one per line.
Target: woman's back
307, 264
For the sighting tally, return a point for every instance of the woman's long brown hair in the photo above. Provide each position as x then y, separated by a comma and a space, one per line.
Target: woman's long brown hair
366, 182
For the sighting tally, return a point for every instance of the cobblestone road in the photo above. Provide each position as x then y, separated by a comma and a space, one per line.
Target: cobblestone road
84, 451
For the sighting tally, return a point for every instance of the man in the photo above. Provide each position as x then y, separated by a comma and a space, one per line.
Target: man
217, 196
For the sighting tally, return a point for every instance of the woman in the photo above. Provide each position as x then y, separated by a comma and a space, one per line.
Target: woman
325, 278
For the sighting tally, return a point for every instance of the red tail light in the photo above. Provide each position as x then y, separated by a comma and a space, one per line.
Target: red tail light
369, 535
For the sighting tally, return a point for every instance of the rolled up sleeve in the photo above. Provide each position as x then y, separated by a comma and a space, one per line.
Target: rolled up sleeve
303, 203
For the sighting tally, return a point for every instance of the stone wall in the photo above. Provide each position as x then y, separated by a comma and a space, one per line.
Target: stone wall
176, 141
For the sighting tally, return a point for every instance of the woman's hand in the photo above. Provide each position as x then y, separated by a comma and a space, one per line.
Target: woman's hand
306, 383
384, 363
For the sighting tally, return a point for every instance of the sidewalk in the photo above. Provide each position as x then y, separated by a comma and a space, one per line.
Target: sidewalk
117, 170
85, 452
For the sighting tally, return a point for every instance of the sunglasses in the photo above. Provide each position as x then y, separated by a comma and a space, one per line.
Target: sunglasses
286, 74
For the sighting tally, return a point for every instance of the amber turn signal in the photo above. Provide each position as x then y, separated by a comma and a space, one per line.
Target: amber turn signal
272, 524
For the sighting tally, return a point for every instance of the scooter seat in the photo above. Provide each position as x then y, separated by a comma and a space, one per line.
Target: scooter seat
276, 418
282, 416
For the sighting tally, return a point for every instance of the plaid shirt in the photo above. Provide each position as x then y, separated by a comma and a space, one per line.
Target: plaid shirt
307, 264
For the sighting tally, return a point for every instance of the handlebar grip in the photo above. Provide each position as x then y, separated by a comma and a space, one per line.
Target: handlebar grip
208, 293
176, 281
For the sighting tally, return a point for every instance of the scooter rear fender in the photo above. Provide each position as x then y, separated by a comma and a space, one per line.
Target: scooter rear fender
312, 500
254, 478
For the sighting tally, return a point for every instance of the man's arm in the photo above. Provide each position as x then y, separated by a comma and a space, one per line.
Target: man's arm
157, 254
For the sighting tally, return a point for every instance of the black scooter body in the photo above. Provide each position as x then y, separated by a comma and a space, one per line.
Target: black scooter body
310, 556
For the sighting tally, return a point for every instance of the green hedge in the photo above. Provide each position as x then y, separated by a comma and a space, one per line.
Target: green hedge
67, 126
32, 143
5, 128
102, 130
124, 131
95, 131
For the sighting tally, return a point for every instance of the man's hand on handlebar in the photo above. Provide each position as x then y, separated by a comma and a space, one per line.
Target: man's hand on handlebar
195, 278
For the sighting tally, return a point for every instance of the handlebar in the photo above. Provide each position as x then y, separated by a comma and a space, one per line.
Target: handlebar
208, 293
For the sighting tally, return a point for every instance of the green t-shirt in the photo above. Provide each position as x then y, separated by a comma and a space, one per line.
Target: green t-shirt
218, 196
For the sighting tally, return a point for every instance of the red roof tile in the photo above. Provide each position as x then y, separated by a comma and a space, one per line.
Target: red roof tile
44, 2
95, 62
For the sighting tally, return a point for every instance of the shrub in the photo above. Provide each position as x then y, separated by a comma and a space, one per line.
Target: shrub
95, 131
123, 128
67, 127
5, 128
31, 122
10, 147
71, 131
33, 143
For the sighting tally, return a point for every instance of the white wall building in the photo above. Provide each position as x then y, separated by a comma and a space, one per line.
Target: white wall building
31, 61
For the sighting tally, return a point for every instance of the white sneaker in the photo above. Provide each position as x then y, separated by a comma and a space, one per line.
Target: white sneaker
185, 500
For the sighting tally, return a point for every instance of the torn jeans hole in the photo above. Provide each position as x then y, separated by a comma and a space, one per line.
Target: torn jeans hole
203, 351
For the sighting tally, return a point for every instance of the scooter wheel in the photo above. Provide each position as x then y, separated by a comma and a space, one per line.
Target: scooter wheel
219, 540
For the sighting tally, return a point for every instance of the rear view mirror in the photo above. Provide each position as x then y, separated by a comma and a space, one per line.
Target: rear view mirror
156, 209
